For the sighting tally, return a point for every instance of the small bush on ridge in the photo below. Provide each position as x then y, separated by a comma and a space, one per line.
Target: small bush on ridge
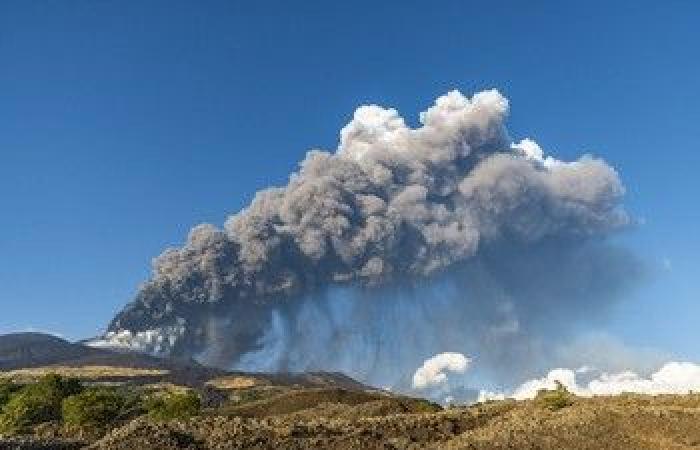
555, 399
174, 405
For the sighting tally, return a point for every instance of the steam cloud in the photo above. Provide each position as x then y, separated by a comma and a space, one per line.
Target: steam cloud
671, 378
403, 242
432, 372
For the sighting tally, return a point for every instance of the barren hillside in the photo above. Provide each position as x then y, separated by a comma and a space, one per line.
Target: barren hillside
314, 410
625, 422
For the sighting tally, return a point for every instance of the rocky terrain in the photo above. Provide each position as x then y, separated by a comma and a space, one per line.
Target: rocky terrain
332, 411
625, 422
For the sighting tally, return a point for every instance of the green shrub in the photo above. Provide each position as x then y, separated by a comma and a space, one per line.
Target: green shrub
133, 404
96, 407
7, 388
36, 403
56, 385
174, 405
555, 399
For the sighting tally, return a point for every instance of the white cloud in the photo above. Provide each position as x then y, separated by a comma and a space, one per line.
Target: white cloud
531, 150
433, 371
671, 378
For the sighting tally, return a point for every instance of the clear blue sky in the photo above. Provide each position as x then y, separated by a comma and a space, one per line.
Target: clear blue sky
124, 123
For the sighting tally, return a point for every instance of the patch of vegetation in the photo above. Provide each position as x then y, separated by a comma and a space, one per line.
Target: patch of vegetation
173, 405
89, 372
94, 407
7, 388
57, 400
244, 396
555, 399
36, 403
423, 406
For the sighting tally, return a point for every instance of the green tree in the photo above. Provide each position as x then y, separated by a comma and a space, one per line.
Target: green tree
96, 407
36, 403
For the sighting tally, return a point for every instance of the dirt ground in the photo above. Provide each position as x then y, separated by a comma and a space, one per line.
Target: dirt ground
624, 422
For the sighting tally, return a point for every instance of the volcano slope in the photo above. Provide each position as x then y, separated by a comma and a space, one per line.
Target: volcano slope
622, 422
331, 411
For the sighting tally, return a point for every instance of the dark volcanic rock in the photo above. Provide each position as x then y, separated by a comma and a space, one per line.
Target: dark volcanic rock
30, 443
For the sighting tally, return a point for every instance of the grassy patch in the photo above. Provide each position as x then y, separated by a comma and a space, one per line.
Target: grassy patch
423, 406
233, 383
83, 373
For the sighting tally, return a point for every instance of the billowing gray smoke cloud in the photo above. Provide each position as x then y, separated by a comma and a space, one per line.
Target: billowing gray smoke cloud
403, 243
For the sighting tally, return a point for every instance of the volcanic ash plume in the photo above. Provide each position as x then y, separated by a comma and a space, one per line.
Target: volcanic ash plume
401, 243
